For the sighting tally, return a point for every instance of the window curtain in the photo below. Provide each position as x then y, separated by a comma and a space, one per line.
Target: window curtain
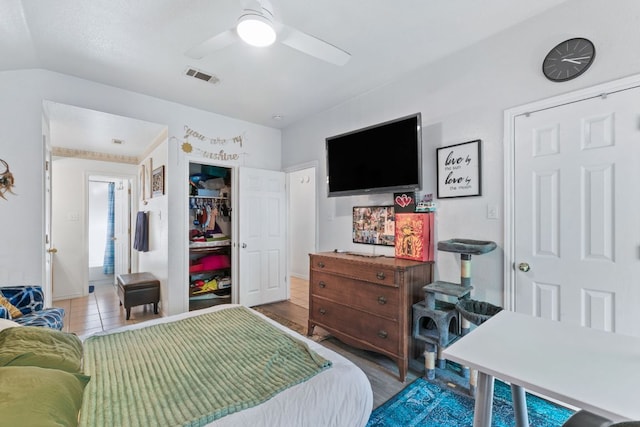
107, 266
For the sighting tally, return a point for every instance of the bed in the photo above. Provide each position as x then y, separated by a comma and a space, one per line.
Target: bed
98, 377
338, 394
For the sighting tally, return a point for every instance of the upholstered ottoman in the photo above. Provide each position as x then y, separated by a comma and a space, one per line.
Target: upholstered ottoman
138, 289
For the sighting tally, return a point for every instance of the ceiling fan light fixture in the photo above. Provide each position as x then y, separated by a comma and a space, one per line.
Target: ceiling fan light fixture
256, 29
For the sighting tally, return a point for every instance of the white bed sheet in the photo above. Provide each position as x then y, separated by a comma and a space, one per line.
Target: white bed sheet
340, 396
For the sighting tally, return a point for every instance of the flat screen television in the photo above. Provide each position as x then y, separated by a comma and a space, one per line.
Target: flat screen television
383, 158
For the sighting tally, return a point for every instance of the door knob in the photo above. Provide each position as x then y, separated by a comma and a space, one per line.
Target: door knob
52, 250
523, 266
244, 245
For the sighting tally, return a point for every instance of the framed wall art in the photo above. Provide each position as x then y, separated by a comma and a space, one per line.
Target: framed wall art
157, 182
374, 225
459, 170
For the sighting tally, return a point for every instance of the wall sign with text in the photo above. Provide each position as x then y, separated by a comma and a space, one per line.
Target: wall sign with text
459, 172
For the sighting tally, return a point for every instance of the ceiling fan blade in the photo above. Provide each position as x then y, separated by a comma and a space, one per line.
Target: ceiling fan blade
220, 41
313, 46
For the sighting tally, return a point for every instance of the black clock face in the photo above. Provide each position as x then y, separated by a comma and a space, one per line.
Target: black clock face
568, 60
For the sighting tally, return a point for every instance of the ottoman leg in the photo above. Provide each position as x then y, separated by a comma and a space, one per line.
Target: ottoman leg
128, 312
155, 308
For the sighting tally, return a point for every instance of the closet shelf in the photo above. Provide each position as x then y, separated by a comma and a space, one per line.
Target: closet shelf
218, 293
212, 248
210, 271
209, 197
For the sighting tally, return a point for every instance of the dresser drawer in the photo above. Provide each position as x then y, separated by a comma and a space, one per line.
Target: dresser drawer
377, 299
381, 275
376, 331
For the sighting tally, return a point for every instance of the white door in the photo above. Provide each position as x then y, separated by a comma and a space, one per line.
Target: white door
49, 249
577, 195
262, 237
122, 228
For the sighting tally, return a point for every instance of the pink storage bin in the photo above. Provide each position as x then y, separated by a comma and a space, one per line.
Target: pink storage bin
215, 262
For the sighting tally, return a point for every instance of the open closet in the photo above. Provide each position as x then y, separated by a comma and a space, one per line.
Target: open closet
210, 279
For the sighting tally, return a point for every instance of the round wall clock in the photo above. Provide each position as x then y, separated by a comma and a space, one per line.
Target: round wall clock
568, 59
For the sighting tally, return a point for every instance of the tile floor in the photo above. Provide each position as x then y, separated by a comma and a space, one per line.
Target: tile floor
101, 310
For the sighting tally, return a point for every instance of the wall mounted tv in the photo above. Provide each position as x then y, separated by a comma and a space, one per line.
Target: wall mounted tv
382, 158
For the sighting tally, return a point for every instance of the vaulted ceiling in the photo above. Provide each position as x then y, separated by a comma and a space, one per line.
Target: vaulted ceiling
140, 46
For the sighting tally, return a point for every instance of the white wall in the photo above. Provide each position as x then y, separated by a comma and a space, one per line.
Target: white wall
156, 259
23, 93
462, 98
70, 221
302, 224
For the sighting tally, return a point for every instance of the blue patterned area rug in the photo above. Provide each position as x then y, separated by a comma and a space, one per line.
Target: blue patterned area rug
423, 403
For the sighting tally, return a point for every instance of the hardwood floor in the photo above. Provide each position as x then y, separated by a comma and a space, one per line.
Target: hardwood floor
100, 311
381, 371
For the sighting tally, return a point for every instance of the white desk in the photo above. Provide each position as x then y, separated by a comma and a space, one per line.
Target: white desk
593, 370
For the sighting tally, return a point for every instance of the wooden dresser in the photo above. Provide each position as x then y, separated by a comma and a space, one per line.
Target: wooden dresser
366, 301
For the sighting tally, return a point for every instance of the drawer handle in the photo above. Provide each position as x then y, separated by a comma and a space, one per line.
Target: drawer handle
380, 276
322, 284
321, 264
323, 311
383, 334
382, 300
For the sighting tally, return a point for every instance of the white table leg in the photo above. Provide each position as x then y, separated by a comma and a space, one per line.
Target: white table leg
484, 401
519, 406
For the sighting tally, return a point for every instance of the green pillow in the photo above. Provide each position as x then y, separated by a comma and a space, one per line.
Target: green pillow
32, 396
43, 347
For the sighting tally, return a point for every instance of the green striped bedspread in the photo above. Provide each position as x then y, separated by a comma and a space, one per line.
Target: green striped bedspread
191, 371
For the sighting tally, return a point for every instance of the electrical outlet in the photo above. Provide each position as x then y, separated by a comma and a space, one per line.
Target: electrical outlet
492, 212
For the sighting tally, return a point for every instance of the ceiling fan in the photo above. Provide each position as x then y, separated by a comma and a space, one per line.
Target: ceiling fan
257, 19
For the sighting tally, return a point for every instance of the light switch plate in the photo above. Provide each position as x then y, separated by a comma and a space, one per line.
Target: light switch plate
492, 212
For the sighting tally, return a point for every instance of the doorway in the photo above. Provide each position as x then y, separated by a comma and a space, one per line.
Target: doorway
301, 189
70, 221
84, 143
109, 222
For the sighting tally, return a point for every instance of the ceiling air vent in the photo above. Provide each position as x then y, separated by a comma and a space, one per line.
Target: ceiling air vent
201, 75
